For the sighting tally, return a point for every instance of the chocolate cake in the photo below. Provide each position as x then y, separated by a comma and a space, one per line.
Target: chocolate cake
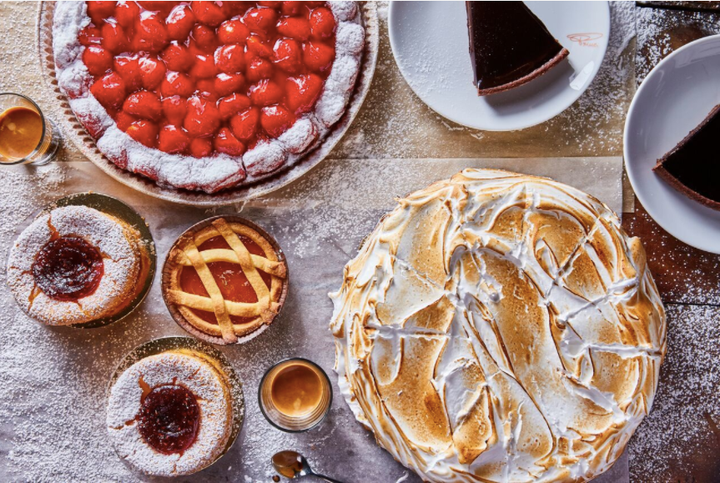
689, 167
509, 45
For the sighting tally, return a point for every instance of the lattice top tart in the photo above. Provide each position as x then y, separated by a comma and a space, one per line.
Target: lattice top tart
207, 95
225, 280
500, 327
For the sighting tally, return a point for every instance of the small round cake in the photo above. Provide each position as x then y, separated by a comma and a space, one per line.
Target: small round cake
170, 414
74, 265
500, 327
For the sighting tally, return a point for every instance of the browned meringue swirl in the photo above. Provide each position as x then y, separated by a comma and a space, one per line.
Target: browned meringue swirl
500, 327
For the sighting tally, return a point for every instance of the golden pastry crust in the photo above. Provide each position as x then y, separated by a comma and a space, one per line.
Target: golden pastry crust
185, 255
500, 327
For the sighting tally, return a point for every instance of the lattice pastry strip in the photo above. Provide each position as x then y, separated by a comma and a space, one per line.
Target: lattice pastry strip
261, 312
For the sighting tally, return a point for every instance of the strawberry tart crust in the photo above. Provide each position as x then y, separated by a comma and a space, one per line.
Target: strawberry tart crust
262, 157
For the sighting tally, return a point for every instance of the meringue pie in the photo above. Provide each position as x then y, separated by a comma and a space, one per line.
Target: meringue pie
500, 327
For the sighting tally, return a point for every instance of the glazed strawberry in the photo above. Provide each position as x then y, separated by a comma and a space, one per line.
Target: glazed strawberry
202, 119
302, 92
230, 105
274, 5
208, 13
206, 89
180, 22
177, 57
260, 19
291, 8
143, 132
322, 23
233, 32
244, 125
143, 104
226, 143
296, 27
150, 34
201, 147
174, 109
256, 46
129, 69
259, 69
288, 55
89, 36
265, 92
113, 38
109, 90
98, 11
158, 6
97, 60
204, 37
123, 120
230, 59
152, 71
275, 120
226, 84
173, 140
318, 56
203, 68
126, 13
178, 84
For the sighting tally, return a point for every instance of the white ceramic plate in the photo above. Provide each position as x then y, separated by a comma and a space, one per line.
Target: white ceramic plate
674, 98
431, 47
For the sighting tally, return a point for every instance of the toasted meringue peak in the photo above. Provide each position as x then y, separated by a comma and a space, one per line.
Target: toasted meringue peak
498, 327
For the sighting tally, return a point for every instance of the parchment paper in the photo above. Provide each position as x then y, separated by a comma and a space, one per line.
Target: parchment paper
53, 380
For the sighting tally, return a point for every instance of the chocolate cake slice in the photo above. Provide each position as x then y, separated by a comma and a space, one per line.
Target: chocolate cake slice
691, 166
509, 45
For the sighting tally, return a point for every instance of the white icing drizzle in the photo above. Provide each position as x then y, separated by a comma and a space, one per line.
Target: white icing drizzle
118, 245
499, 327
220, 171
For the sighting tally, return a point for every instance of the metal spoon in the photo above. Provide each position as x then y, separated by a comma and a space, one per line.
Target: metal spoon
292, 464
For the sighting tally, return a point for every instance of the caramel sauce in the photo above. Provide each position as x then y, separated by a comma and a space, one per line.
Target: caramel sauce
296, 390
68, 268
169, 418
21, 129
229, 277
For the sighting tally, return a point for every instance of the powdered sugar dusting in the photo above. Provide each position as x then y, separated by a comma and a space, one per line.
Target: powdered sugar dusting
168, 369
121, 261
680, 436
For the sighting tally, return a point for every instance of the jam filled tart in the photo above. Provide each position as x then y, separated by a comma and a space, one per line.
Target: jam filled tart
225, 280
75, 264
207, 95
170, 414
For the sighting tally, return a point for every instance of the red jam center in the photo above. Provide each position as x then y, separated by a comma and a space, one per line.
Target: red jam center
198, 78
68, 268
230, 278
169, 419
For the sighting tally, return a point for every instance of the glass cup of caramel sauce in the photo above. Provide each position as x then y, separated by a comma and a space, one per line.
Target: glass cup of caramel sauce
26, 135
295, 395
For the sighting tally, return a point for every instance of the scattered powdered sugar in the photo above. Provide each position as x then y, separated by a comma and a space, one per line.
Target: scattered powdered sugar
680, 436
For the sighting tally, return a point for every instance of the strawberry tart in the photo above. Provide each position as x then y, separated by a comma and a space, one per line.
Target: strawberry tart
207, 95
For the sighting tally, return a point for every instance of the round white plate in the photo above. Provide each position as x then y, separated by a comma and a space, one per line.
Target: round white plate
431, 46
674, 98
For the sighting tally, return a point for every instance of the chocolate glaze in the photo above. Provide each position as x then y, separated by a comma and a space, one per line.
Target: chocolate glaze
509, 45
691, 168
